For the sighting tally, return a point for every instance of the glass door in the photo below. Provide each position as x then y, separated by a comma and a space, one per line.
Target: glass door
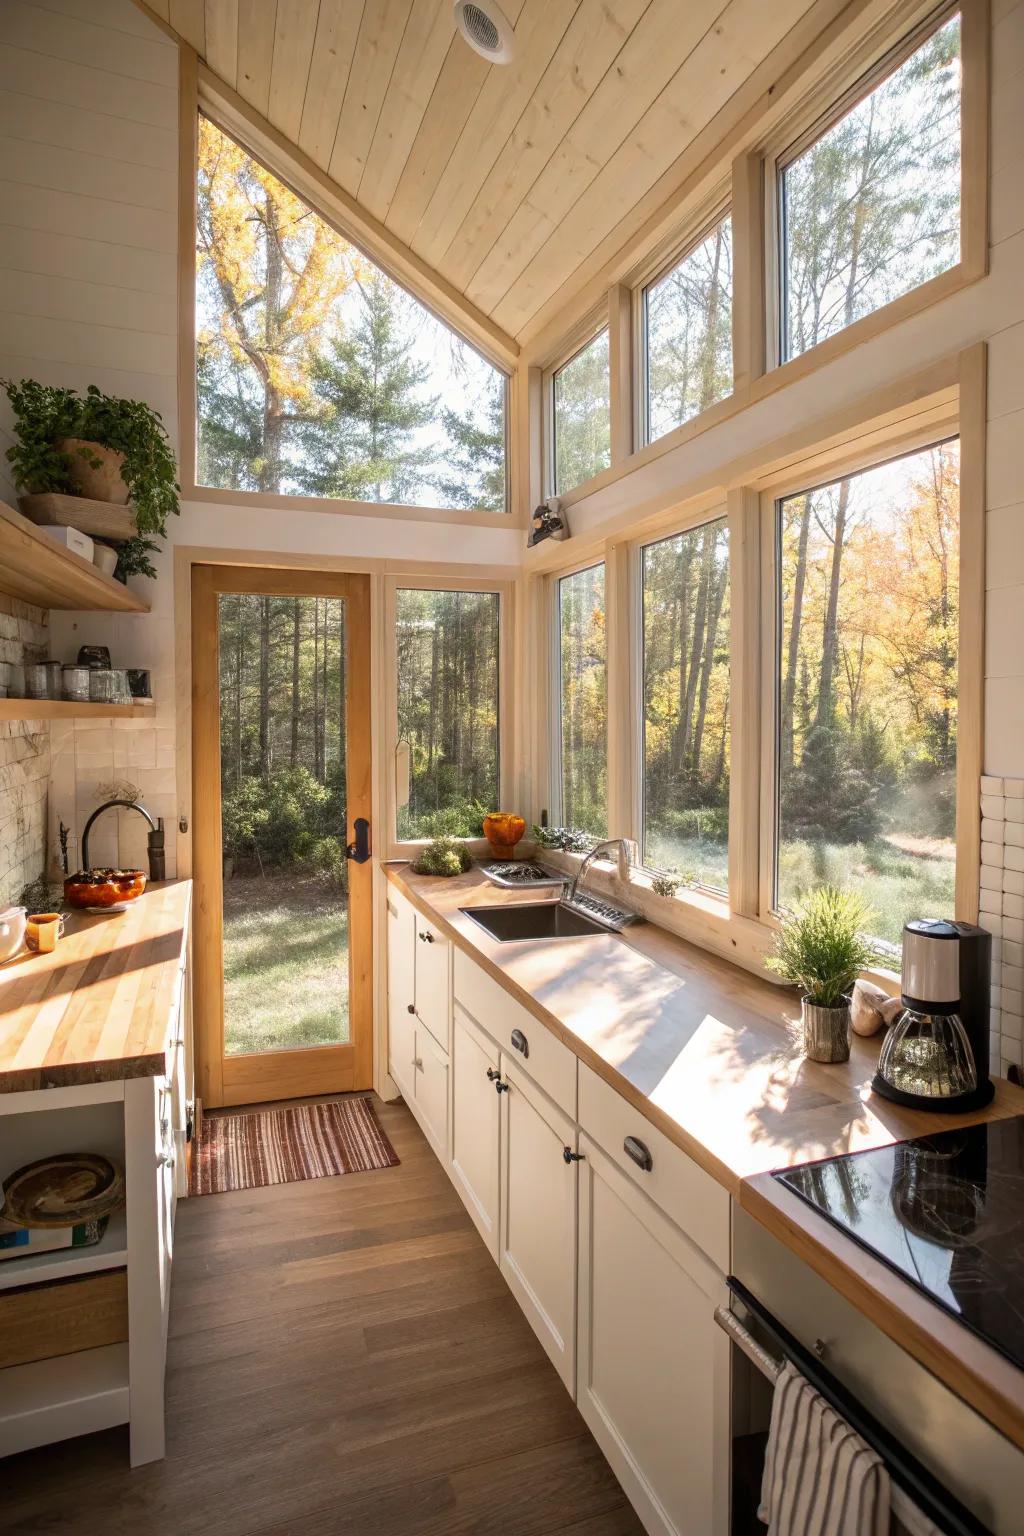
281, 790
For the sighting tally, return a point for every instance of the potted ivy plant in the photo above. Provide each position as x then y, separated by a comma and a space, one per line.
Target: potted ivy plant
101, 448
821, 948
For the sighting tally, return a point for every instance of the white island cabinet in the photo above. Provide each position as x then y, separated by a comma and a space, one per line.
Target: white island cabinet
613, 1241
104, 1066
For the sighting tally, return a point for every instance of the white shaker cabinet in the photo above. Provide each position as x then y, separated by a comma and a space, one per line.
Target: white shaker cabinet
538, 1213
401, 991
652, 1370
475, 1134
433, 989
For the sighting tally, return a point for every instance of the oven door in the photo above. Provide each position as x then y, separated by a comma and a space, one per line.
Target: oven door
944, 1460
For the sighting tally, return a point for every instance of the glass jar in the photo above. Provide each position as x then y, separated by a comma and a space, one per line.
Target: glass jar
44, 680
109, 687
76, 684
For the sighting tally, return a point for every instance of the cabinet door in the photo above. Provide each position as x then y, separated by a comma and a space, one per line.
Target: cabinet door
475, 1125
538, 1214
431, 1101
401, 991
653, 1368
433, 980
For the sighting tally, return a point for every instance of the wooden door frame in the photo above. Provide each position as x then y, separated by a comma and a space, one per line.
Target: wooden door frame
319, 1069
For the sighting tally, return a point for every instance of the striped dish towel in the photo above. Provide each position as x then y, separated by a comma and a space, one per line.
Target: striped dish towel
820, 1478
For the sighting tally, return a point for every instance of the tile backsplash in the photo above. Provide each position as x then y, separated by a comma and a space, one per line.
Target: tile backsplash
1002, 912
24, 760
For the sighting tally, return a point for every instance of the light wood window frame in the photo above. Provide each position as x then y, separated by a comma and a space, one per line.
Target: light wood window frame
821, 111
399, 848
201, 93
742, 923
756, 372
581, 338
646, 278
555, 798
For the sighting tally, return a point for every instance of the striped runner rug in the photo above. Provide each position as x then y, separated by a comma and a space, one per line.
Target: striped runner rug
282, 1146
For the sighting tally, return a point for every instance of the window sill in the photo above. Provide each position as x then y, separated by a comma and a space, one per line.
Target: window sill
701, 917
216, 496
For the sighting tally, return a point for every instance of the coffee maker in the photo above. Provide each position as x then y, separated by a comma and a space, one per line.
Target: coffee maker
936, 1055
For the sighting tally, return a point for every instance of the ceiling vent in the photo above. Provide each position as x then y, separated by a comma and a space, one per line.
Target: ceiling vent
486, 29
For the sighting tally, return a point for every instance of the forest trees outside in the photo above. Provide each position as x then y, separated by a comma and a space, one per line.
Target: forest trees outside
583, 658
868, 632
283, 820
447, 658
316, 373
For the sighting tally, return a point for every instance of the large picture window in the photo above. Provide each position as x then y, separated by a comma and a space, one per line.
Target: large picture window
688, 334
583, 700
685, 583
447, 672
871, 208
316, 373
581, 409
867, 666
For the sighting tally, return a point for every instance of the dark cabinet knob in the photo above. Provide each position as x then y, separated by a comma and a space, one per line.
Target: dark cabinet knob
492, 1076
634, 1148
520, 1042
569, 1156
429, 938
499, 1086
410, 1007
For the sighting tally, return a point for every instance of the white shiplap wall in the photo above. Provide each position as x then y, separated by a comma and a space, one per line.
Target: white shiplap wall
88, 295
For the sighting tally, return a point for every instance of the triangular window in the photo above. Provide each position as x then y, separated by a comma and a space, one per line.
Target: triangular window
319, 375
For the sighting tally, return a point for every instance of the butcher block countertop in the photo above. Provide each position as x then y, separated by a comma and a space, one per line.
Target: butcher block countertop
99, 1007
710, 1054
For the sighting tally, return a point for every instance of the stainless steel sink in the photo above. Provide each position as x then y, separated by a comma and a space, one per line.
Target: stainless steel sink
533, 920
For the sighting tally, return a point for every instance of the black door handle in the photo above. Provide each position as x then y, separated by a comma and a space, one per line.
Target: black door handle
359, 851
569, 1156
520, 1042
410, 1007
634, 1148
492, 1076
499, 1086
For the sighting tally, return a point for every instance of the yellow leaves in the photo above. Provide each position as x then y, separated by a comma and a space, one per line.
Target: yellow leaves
272, 272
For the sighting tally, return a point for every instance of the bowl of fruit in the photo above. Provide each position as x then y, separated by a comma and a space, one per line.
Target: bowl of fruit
104, 890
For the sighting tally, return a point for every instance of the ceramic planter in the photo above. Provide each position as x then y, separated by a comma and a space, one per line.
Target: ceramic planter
100, 481
826, 1031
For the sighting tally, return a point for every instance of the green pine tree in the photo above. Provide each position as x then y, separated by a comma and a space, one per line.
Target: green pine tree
361, 444
473, 474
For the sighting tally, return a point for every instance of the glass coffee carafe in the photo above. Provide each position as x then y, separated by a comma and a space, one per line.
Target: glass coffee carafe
929, 1056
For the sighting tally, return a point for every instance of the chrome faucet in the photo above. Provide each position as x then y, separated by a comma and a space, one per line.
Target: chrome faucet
154, 841
627, 855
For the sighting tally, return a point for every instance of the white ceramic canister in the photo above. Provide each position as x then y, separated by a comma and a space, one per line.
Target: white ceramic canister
12, 932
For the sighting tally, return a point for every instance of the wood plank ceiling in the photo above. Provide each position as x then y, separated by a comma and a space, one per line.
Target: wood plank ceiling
503, 179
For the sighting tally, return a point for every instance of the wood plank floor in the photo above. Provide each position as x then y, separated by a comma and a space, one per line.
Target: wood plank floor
344, 1360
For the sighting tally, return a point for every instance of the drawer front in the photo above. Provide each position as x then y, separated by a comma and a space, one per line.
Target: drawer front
691, 1198
522, 1038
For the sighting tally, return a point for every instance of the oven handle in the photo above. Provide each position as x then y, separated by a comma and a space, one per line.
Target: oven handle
907, 1474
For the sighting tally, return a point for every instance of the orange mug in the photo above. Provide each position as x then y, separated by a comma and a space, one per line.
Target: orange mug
42, 930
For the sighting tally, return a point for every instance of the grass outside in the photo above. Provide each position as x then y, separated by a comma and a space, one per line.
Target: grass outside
898, 878
285, 963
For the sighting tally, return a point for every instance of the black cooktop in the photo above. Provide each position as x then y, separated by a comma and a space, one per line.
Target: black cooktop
946, 1212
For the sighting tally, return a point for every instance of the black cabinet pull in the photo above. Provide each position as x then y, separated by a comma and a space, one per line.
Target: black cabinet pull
569, 1156
421, 937
410, 1007
429, 938
499, 1086
492, 1076
520, 1042
634, 1148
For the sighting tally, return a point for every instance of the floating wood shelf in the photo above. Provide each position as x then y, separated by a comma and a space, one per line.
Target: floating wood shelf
70, 709
39, 571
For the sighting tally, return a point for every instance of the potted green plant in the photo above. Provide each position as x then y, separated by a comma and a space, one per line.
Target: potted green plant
821, 948
96, 447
